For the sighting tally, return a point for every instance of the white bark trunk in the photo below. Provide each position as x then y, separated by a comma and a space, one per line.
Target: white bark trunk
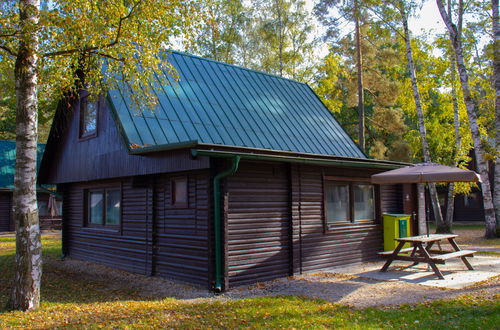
455, 37
28, 267
496, 67
450, 209
359, 68
421, 121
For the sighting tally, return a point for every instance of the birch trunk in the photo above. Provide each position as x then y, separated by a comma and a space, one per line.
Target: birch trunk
496, 67
280, 36
440, 226
455, 37
450, 207
359, 68
28, 266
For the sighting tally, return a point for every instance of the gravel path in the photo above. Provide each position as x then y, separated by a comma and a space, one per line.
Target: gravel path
354, 291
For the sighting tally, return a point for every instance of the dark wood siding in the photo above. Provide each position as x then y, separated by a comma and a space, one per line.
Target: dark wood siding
7, 223
48, 222
70, 159
391, 198
153, 238
317, 249
182, 233
275, 222
124, 249
258, 232
5, 211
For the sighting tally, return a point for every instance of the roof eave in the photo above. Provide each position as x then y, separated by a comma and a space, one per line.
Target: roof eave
325, 160
164, 147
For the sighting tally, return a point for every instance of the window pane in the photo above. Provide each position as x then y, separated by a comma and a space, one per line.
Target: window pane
43, 208
112, 207
89, 117
471, 200
337, 203
179, 191
95, 207
59, 208
364, 202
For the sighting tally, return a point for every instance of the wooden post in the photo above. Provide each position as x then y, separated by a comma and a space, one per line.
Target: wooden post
422, 228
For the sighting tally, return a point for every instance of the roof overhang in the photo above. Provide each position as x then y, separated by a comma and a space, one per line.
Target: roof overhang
302, 159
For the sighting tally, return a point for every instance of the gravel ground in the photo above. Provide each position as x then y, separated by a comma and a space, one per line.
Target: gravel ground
357, 292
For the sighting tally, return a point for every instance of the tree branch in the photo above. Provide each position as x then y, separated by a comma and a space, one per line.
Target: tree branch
385, 21
93, 49
8, 35
120, 59
8, 50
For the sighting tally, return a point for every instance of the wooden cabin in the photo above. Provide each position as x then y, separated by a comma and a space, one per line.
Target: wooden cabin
467, 207
236, 177
49, 211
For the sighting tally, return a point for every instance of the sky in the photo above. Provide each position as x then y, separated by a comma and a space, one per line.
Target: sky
427, 20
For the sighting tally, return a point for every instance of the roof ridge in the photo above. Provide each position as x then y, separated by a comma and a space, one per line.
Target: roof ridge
234, 66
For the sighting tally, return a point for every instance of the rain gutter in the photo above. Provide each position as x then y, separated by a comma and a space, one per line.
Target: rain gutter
300, 160
217, 220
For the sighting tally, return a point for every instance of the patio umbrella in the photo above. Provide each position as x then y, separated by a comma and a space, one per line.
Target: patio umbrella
426, 173
52, 206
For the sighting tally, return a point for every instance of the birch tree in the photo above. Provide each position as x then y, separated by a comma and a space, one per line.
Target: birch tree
48, 46
496, 73
455, 34
450, 206
403, 10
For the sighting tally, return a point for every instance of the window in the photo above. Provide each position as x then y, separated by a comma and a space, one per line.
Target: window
348, 202
472, 200
179, 192
103, 207
59, 208
88, 117
43, 209
364, 202
337, 200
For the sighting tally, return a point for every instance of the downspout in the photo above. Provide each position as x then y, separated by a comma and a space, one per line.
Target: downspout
217, 221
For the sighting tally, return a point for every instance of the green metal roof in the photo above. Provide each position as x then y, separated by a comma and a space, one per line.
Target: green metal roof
8, 162
220, 104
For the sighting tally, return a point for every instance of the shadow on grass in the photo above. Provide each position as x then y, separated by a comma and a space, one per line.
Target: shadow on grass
262, 313
58, 285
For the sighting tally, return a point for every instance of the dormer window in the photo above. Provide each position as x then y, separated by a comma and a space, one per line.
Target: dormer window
88, 117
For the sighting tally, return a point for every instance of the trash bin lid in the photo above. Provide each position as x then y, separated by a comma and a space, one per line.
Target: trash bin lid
397, 215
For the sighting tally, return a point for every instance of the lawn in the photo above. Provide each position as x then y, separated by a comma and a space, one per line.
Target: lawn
472, 235
69, 301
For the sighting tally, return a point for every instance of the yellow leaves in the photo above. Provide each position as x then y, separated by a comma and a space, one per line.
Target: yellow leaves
126, 36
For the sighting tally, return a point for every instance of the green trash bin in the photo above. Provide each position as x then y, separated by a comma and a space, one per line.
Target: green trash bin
395, 226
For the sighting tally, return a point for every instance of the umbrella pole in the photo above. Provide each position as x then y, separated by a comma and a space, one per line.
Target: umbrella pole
427, 212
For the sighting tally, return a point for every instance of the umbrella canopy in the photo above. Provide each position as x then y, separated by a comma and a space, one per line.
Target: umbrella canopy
52, 206
424, 173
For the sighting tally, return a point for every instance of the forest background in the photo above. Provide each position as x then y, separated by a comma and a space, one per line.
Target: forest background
433, 96
286, 38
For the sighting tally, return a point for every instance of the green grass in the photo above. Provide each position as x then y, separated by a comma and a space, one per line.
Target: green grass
69, 301
488, 253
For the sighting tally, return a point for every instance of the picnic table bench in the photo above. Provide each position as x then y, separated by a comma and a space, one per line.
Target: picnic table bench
422, 252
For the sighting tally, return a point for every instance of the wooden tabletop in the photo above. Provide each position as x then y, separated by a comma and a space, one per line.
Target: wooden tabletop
425, 238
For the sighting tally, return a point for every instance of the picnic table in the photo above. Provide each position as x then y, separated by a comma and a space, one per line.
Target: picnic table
421, 252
